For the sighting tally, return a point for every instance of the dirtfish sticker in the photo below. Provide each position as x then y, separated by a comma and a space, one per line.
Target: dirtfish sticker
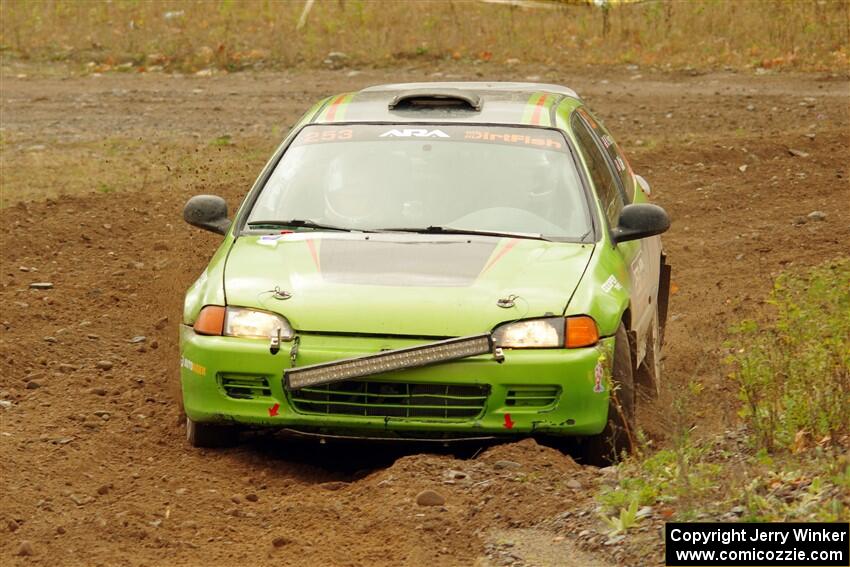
599, 377
193, 367
611, 283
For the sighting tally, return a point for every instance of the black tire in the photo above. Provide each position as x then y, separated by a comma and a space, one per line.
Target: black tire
618, 435
209, 434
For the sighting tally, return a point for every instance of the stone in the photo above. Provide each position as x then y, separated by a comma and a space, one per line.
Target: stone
280, 541
574, 484
506, 465
138, 339
251, 497
430, 498
161, 323
24, 549
817, 215
104, 365
32, 385
41, 285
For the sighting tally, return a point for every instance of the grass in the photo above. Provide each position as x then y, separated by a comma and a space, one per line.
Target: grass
194, 35
794, 375
790, 460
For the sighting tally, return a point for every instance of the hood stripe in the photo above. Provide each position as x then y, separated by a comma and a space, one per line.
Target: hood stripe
311, 245
500, 254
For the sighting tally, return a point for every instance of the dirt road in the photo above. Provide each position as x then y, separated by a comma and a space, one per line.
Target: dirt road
94, 469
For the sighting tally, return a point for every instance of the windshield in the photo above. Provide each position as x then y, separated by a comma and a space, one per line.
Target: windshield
404, 177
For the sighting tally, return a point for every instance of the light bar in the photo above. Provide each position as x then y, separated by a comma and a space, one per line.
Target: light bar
387, 361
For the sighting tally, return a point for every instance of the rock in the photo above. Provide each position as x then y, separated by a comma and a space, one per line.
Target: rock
50, 339
280, 541
451, 473
614, 540
101, 414
333, 485
138, 339
430, 498
506, 465
98, 391
60, 530
644, 512
81, 500
24, 549
104, 489
798, 153
104, 365
67, 368
800, 220
32, 385
41, 285
574, 484
6, 404
738, 510
742, 168
817, 215
13, 526
236, 499
251, 497
161, 323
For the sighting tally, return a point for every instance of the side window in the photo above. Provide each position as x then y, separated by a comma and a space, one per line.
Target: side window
600, 172
619, 161
621, 166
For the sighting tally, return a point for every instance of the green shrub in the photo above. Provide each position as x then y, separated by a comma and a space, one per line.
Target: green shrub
794, 373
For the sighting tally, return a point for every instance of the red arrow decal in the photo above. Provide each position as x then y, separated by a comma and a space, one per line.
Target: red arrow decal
273, 410
508, 423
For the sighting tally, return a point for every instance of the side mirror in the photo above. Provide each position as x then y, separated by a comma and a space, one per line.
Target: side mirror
208, 212
640, 221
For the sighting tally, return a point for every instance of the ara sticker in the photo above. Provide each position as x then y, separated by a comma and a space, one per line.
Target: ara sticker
192, 366
414, 133
598, 375
611, 283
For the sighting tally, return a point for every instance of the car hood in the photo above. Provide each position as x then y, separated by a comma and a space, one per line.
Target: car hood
401, 283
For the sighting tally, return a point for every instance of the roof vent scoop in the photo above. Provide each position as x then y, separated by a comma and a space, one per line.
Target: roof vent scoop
436, 98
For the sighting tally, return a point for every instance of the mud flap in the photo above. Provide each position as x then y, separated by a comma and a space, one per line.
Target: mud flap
663, 295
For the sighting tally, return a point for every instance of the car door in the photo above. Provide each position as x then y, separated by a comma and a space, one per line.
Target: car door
615, 186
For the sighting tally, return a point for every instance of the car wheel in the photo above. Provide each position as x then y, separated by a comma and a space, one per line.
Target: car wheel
209, 434
618, 435
648, 375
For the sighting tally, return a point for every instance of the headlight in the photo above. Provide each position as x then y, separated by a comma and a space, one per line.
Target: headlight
242, 322
533, 333
250, 323
551, 332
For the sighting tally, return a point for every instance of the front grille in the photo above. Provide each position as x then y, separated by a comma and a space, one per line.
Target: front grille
392, 399
245, 386
532, 396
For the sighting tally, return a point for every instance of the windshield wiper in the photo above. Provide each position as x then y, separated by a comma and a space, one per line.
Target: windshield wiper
296, 223
451, 230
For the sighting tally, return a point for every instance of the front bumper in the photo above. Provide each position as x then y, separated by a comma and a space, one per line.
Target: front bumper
576, 406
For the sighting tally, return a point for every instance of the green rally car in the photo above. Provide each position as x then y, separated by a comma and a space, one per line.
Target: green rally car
431, 261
